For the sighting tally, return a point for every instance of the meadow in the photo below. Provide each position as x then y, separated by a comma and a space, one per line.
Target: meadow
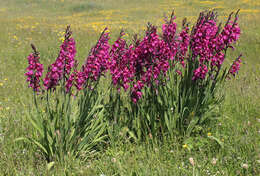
43, 23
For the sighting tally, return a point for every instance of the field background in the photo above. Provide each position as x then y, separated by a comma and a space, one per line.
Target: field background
42, 22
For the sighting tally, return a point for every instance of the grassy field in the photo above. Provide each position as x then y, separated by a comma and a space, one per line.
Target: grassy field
42, 22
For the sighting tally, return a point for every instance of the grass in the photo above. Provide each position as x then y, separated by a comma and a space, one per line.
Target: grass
42, 21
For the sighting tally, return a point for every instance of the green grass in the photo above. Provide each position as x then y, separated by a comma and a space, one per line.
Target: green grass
41, 21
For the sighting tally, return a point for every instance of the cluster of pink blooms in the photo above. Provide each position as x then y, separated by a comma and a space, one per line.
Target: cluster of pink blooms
96, 63
200, 73
208, 45
169, 35
151, 55
145, 61
35, 70
65, 61
121, 63
140, 63
183, 44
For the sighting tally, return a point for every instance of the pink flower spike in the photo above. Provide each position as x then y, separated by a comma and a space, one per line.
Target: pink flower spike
235, 66
34, 69
64, 63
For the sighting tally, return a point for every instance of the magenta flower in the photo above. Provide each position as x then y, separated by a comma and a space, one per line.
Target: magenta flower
70, 81
139, 64
183, 44
147, 60
136, 92
96, 63
169, 35
217, 60
202, 38
61, 68
200, 73
35, 70
150, 59
230, 34
121, 64
235, 66
208, 45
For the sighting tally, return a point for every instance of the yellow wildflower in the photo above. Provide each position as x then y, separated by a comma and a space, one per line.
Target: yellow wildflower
185, 146
209, 134
208, 2
249, 10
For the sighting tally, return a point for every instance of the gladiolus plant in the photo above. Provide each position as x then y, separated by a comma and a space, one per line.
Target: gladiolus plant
67, 124
161, 85
173, 78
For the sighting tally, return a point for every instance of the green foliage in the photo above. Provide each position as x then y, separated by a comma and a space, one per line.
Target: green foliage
237, 120
185, 104
68, 126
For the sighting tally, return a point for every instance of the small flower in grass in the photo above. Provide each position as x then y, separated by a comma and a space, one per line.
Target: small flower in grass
113, 160
191, 160
209, 134
214, 161
150, 135
245, 166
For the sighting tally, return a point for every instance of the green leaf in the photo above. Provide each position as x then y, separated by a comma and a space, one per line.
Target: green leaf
167, 121
40, 146
191, 126
22, 139
36, 126
50, 165
217, 140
